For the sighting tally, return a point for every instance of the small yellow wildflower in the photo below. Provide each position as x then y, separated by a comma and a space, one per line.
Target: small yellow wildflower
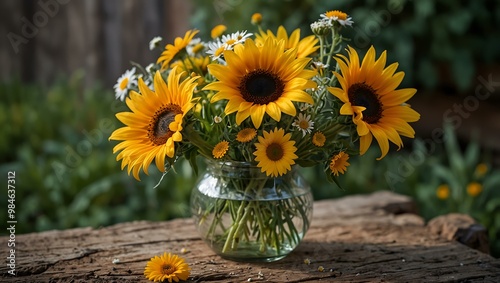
220, 149
319, 139
256, 19
218, 31
481, 169
443, 192
474, 189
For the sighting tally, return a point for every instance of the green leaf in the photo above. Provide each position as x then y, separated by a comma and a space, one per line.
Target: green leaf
472, 155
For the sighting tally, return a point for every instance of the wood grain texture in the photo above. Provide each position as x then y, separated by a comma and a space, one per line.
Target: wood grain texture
371, 238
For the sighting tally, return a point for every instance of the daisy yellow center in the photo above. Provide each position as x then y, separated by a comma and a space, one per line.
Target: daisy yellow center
219, 51
167, 269
124, 83
275, 152
340, 15
158, 129
304, 124
361, 94
261, 87
231, 41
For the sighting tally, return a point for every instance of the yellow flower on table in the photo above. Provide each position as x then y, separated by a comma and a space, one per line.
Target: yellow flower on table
167, 267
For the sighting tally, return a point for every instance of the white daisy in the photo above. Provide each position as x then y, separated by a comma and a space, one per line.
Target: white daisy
235, 38
304, 124
338, 16
215, 49
124, 83
155, 42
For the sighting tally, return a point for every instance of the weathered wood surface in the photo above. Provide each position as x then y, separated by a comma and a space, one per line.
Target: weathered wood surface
374, 238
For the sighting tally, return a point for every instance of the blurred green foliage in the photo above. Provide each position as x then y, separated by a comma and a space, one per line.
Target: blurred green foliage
438, 43
56, 140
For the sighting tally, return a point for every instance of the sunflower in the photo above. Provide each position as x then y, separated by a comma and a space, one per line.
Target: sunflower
261, 80
155, 122
220, 149
246, 135
167, 267
305, 46
275, 152
172, 50
370, 96
339, 163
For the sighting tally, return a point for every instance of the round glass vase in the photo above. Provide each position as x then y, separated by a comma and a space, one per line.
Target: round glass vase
243, 215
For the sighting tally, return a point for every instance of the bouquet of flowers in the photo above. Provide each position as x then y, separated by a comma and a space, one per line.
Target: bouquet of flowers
272, 99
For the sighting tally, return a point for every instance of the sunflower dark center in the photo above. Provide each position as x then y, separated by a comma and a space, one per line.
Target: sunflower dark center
361, 94
274, 152
261, 87
158, 128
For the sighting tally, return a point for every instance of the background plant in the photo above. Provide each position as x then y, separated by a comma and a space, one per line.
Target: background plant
440, 44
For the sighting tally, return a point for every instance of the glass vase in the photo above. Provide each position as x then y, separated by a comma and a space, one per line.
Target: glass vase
243, 215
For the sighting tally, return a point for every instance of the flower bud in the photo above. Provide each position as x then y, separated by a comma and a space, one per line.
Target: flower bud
321, 27
256, 19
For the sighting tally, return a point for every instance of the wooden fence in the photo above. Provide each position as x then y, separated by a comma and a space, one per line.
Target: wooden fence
43, 39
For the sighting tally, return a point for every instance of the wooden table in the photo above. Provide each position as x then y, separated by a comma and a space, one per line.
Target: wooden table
371, 238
